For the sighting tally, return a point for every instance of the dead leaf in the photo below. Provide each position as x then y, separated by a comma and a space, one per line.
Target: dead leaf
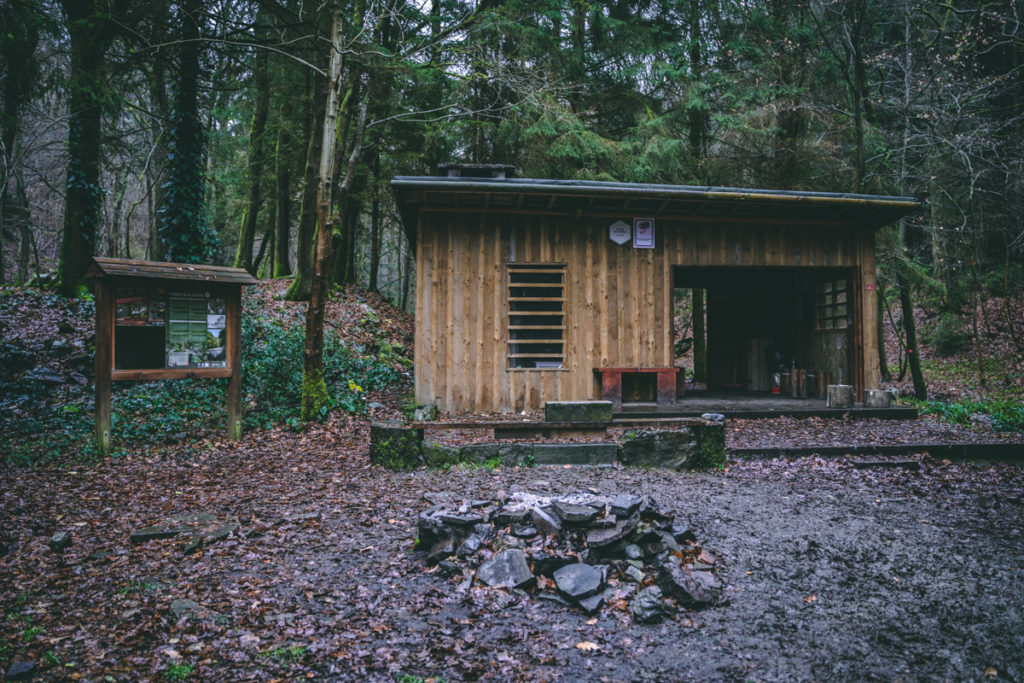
588, 646
591, 622
992, 673
811, 598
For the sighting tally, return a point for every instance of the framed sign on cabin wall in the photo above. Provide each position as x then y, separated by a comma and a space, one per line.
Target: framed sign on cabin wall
643, 233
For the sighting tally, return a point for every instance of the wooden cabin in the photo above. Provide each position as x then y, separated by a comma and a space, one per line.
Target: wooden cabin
533, 290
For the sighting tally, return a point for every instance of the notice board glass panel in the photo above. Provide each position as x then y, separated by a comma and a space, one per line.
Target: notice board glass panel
156, 328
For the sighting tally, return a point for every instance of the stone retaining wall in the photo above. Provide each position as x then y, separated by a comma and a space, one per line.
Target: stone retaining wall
698, 445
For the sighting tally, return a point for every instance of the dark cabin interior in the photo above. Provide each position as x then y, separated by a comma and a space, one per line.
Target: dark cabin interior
762, 319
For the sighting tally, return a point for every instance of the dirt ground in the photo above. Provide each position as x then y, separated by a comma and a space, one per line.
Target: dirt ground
834, 573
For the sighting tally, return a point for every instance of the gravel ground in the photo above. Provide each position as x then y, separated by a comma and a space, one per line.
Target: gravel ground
834, 573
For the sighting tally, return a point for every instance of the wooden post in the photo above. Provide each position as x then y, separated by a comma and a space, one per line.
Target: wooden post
234, 356
103, 363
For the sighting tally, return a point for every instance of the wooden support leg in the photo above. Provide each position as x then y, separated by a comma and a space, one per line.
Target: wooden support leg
103, 364
234, 353
611, 387
667, 387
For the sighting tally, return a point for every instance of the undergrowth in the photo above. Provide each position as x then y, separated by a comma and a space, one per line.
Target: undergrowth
1006, 415
41, 425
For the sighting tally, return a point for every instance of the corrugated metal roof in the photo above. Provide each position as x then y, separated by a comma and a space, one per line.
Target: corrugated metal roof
159, 270
586, 197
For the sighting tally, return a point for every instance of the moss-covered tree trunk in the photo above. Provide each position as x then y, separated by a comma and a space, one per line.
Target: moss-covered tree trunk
83, 196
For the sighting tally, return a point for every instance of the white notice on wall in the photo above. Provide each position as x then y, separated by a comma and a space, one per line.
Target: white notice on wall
643, 233
619, 232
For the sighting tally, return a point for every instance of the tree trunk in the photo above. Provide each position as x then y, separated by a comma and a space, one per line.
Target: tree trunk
910, 329
282, 227
83, 193
375, 225
700, 347
314, 389
247, 232
185, 234
883, 362
299, 290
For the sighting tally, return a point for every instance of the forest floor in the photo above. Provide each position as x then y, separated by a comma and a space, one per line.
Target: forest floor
833, 572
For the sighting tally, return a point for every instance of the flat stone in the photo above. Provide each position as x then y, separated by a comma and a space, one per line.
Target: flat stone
461, 519
578, 411
575, 453
511, 515
154, 533
716, 418
20, 671
670, 542
578, 581
44, 376
553, 598
60, 541
100, 555
592, 604
647, 606
524, 531
667, 449
574, 514
633, 574
625, 504
693, 590
545, 522
546, 563
598, 538
682, 533
632, 552
507, 569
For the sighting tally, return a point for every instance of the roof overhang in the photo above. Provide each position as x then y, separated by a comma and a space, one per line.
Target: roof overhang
155, 271
579, 198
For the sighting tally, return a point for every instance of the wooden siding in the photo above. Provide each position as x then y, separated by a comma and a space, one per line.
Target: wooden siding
618, 308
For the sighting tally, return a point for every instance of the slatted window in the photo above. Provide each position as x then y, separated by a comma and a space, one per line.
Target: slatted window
536, 315
833, 305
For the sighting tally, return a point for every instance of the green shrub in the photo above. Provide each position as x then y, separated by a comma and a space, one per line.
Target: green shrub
947, 337
1006, 416
272, 360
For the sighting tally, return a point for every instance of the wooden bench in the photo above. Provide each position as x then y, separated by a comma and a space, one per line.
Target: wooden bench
611, 383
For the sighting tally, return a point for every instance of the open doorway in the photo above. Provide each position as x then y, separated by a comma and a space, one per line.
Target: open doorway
767, 330
689, 340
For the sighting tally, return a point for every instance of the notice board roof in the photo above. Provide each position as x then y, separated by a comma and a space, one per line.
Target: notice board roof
160, 270
588, 197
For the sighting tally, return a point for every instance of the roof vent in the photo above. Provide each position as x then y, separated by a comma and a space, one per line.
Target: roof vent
476, 170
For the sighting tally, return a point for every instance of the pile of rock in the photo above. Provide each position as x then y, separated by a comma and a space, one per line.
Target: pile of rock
583, 549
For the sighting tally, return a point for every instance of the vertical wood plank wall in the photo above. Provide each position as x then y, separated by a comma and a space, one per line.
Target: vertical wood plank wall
618, 298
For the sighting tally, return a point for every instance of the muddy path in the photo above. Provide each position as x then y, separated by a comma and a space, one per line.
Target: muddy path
834, 573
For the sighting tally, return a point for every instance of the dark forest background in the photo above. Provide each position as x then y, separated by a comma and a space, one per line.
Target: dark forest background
191, 130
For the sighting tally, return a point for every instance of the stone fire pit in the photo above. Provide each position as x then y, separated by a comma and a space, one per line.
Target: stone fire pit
585, 549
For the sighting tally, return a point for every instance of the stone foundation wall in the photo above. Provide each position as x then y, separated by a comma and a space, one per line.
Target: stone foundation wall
697, 446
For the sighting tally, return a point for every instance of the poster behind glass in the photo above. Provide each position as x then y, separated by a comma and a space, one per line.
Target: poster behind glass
154, 328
